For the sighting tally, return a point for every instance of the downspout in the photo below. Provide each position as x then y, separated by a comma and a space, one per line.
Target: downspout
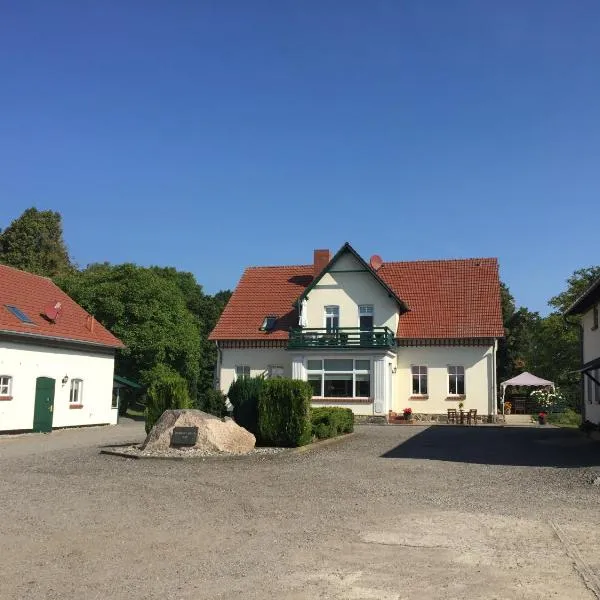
217, 375
582, 378
495, 383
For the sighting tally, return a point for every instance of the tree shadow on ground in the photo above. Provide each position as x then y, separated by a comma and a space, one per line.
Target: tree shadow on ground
518, 446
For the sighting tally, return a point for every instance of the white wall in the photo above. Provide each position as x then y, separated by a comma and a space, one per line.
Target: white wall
348, 291
591, 338
258, 359
26, 362
479, 387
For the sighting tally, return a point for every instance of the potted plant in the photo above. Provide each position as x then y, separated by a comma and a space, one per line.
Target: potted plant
461, 405
542, 417
407, 414
507, 408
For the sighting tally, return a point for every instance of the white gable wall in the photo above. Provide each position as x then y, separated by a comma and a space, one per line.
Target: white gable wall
349, 290
25, 362
591, 351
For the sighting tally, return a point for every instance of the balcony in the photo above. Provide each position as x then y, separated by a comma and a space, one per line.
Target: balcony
342, 338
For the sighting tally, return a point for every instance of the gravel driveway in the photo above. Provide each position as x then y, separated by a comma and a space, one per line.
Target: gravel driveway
390, 513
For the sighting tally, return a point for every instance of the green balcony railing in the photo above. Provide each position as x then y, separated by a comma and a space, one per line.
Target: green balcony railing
342, 337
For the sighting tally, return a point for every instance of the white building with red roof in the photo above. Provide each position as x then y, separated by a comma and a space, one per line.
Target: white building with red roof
56, 360
372, 336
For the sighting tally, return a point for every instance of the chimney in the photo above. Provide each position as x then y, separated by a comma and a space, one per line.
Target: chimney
322, 258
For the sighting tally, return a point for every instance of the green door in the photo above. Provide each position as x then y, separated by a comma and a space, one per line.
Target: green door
44, 404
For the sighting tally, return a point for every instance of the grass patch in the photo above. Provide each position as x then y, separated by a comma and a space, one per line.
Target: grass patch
569, 418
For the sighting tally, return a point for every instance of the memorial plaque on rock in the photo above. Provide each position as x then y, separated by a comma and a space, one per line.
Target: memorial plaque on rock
184, 436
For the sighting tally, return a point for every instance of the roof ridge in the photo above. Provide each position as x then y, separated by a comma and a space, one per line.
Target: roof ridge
278, 267
439, 260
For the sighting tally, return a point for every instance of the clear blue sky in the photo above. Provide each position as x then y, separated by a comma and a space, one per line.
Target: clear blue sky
212, 135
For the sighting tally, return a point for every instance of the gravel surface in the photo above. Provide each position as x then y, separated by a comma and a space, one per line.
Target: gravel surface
135, 450
390, 513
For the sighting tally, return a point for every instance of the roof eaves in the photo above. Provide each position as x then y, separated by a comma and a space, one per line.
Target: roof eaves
582, 303
41, 336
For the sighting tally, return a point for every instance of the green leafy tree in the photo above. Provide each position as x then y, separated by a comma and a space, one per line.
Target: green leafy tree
34, 242
147, 312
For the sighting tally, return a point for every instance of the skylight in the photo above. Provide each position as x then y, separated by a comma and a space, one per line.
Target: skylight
269, 323
19, 314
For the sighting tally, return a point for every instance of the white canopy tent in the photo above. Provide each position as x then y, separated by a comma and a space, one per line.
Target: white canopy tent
525, 379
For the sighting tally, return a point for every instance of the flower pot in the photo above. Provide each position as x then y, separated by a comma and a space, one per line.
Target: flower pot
542, 420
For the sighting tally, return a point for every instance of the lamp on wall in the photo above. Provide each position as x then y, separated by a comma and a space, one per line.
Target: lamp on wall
65, 379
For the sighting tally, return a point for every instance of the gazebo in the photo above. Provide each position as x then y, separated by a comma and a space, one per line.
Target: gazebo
525, 379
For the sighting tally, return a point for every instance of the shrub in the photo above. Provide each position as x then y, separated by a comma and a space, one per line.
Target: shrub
331, 421
213, 402
284, 412
243, 395
568, 418
166, 390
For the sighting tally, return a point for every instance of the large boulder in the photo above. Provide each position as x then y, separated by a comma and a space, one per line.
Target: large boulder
214, 434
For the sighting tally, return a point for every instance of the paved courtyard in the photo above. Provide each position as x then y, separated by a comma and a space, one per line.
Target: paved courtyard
390, 513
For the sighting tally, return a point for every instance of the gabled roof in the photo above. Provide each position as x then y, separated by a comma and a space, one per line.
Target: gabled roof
448, 299
32, 295
586, 300
348, 249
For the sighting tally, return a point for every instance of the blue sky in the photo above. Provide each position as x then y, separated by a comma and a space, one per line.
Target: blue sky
214, 135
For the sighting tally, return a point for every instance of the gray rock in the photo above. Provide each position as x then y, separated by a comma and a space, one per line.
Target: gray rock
596, 480
214, 434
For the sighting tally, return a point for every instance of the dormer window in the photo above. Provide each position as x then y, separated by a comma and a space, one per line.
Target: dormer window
269, 323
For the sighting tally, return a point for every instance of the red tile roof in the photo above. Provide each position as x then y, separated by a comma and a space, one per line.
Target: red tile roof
448, 299
32, 294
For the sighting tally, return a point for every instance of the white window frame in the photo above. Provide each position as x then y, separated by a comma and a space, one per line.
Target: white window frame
77, 386
333, 311
419, 371
355, 371
455, 374
5, 385
366, 310
244, 369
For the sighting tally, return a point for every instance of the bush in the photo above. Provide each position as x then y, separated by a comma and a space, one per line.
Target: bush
167, 390
243, 395
213, 402
331, 421
568, 418
284, 412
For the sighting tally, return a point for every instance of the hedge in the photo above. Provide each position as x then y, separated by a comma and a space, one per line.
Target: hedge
167, 390
243, 395
330, 422
212, 402
284, 412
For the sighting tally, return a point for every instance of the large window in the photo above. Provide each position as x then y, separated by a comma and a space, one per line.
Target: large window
5, 385
419, 380
332, 317
456, 381
76, 396
340, 377
242, 371
595, 317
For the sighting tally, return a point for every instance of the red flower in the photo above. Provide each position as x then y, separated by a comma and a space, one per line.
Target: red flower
408, 411
542, 414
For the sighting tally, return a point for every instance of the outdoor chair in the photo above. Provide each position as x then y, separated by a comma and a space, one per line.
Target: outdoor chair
472, 416
452, 416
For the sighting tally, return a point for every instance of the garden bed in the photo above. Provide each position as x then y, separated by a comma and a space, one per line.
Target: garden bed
134, 451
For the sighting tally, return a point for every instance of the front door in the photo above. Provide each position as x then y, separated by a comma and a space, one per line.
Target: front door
44, 404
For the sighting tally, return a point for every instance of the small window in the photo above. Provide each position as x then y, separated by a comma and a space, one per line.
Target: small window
362, 365
242, 371
595, 316
314, 365
115, 398
275, 372
5, 385
419, 380
366, 316
332, 318
76, 396
269, 323
456, 381
17, 312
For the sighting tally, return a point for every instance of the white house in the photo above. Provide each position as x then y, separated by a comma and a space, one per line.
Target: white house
375, 337
587, 306
56, 360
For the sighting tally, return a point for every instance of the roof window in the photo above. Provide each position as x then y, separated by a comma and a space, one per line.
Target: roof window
17, 312
269, 323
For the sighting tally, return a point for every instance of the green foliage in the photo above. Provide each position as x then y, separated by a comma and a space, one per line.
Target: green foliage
213, 402
34, 242
243, 394
568, 418
284, 412
167, 390
331, 421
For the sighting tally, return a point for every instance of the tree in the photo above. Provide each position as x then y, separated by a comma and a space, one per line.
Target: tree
577, 283
34, 242
147, 312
